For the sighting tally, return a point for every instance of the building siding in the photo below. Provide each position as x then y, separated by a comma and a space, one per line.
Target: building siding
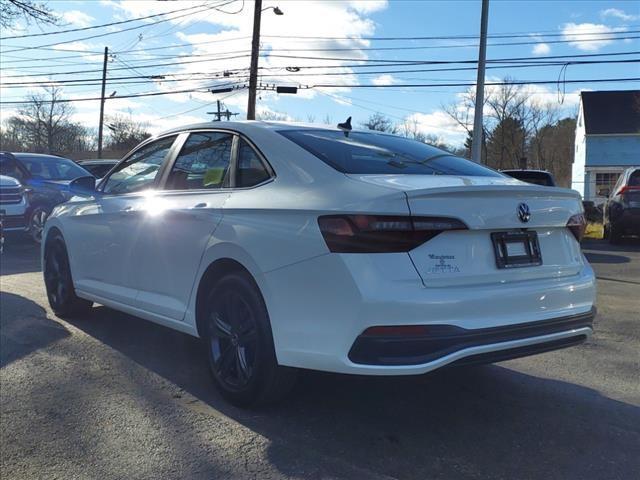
614, 150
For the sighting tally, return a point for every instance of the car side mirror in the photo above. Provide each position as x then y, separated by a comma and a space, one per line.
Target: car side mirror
83, 185
604, 192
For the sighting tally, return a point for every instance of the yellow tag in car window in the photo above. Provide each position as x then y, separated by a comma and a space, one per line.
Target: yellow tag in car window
213, 176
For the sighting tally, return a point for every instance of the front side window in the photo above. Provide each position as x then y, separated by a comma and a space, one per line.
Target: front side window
251, 171
9, 167
202, 163
139, 171
372, 153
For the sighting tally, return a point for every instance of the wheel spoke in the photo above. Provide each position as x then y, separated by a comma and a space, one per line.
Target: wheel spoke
221, 328
225, 362
248, 335
242, 365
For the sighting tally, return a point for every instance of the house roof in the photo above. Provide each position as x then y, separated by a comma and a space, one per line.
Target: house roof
611, 112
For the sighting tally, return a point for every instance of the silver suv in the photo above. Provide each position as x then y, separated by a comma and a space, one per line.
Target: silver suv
13, 206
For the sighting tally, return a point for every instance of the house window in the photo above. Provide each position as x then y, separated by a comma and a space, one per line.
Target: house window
606, 180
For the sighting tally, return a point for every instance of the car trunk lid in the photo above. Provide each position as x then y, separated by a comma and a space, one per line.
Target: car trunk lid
487, 205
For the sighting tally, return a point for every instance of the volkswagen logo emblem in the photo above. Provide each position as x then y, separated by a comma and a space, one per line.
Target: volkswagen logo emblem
524, 214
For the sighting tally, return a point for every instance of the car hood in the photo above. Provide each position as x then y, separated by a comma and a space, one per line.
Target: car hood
8, 181
57, 184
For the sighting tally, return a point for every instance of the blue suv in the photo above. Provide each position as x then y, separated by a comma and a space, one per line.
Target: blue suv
46, 178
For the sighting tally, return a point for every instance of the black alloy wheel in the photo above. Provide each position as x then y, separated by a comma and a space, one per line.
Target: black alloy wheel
239, 343
37, 220
59, 283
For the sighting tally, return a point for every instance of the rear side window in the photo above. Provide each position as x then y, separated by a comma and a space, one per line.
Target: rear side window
371, 153
634, 179
251, 171
203, 162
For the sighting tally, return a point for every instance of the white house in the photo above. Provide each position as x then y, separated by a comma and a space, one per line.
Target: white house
607, 140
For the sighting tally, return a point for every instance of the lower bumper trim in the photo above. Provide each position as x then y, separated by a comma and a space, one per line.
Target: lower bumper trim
442, 340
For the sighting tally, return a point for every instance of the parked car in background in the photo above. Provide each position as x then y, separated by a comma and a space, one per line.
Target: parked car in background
13, 207
98, 168
47, 178
536, 177
330, 249
622, 207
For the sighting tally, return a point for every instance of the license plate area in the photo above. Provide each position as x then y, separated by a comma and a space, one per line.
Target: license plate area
516, 249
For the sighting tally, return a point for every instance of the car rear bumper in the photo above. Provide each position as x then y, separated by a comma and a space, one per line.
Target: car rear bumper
320, 308
628, 221
439, 341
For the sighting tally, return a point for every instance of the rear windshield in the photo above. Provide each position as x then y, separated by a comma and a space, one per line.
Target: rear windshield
372, 153
537, 178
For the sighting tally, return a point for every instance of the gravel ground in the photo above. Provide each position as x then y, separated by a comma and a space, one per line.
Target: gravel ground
111, 396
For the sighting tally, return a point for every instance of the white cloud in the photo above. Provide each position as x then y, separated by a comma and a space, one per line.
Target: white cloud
368, 6
77, 18
384, 79
620, 14
541, 49
439, 123
285, 61
589, 37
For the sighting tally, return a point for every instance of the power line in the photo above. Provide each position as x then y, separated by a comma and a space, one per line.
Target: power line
59, 32
145, 79
515, 82
416, 85
20, 49
372, 62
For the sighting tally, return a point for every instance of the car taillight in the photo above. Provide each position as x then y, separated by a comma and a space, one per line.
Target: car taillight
381, 233
577, 224
628, 188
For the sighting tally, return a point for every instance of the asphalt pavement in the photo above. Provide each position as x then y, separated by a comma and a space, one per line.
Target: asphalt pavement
111, 396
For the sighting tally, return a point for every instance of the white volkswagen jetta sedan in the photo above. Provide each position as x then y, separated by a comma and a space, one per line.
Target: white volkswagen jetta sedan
346, 251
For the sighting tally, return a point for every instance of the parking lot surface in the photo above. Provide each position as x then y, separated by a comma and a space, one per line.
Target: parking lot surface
112, 396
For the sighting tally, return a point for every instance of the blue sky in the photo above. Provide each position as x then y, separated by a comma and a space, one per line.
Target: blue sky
221, 37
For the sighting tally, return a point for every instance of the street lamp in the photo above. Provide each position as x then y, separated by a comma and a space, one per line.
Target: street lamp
255, 53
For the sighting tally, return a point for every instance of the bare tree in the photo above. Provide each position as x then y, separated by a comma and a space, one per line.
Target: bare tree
29, 10
380, 123
410, 128
125, 133
44, 119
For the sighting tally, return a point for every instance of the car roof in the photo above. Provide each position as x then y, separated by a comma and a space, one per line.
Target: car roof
249, 125
43, 156
525, 170
97, 161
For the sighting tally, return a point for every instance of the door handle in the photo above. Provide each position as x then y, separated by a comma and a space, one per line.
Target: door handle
127, 210
201, 205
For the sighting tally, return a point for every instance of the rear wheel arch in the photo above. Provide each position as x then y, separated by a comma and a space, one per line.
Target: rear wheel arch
52, 234
214, 272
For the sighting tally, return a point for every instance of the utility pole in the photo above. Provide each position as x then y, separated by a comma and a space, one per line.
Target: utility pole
476, 146
255, 53
104, 84
222, 113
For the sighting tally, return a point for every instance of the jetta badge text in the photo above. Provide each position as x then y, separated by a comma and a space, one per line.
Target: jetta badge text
524, 214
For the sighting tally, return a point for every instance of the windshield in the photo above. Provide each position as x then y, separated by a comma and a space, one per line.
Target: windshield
372, 153
52, 168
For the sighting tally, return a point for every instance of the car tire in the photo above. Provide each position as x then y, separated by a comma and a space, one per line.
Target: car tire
614, 234
240, 347
37, 219
59, 283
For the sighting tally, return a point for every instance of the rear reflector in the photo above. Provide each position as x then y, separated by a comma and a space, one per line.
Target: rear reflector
628, 188
577, 224
396, 331
381, 233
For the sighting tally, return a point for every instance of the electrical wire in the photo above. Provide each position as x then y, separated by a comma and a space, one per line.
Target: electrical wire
20, 49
